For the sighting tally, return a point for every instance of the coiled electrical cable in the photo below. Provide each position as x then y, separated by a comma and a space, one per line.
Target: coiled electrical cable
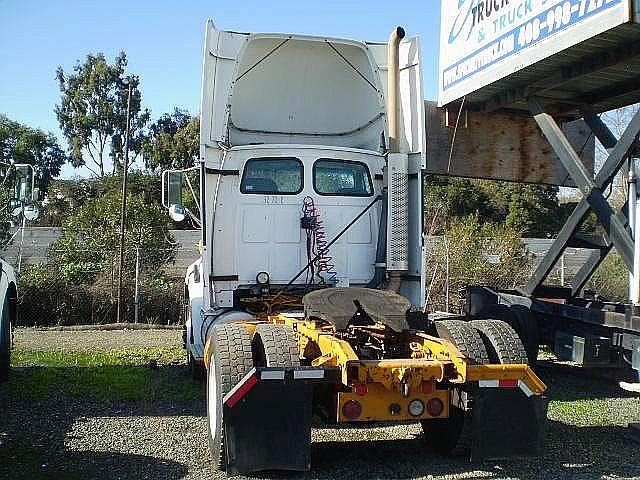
324, 260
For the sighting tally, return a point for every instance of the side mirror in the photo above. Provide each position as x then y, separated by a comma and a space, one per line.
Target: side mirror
38, 194
172, 190
176, 212
25, 193
23, 188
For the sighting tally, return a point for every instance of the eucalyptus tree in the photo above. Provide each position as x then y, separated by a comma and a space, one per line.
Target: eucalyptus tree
92, 112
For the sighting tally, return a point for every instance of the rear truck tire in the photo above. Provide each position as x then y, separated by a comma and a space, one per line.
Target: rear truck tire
231, 359
275, 345
501, 341
522, 321
530, 334
453, 435
465, 338
507, 422
5, 341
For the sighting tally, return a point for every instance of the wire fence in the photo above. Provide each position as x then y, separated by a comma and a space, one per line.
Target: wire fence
53, 290
53, 293
52, 302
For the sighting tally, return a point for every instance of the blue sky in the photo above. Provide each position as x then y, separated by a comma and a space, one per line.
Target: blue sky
163, 41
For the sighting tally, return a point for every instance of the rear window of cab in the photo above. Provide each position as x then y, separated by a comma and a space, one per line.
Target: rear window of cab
273, 175
285, 176
341, 178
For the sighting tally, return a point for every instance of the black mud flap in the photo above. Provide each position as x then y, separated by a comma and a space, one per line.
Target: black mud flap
267, 419
506, 422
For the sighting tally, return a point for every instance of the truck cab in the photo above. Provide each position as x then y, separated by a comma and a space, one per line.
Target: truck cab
309, 293
295, 128
261, 214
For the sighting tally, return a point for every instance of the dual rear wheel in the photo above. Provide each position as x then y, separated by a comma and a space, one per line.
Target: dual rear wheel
234, 354
522, 321
482, 342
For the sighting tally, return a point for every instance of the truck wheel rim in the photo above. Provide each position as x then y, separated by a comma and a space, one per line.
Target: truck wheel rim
213, 400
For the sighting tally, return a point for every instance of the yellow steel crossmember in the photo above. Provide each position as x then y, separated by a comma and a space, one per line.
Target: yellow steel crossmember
402, 375
426, 346
433, 360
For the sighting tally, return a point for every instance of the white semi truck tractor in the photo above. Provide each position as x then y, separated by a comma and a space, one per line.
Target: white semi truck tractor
309, 294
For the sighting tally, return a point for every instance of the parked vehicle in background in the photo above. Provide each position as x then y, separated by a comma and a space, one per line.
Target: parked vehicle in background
9, 298
19, 179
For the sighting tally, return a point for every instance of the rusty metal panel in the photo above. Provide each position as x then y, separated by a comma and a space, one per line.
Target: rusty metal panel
500, 146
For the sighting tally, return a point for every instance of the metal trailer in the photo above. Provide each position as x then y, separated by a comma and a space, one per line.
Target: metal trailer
308, 296
556, 62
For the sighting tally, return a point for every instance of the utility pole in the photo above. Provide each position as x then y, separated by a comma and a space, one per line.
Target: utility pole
136, 298
123, 213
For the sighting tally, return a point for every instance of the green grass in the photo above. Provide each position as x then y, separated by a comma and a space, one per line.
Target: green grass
104, 375
595, 411
126, 375
97, 358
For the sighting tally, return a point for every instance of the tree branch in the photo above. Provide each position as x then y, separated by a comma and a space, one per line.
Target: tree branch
91, 170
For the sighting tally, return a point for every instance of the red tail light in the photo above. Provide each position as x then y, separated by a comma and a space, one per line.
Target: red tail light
427, 387
352, 409
361, 389
435, 407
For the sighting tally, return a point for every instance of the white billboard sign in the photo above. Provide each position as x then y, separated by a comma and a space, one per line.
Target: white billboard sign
482, 41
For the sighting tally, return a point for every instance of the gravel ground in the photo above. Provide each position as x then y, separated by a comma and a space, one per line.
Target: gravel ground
71, 437
35, 339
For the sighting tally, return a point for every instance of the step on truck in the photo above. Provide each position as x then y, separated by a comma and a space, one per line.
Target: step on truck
308, 298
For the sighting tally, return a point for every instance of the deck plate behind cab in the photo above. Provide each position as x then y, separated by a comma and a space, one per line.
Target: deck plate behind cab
339, 305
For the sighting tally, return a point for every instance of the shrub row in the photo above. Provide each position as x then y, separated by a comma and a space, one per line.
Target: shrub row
45, 299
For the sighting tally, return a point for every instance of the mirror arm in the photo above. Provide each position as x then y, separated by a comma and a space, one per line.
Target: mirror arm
193, 218
197, 200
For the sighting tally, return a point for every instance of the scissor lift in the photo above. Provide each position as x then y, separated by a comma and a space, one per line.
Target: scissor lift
598, 74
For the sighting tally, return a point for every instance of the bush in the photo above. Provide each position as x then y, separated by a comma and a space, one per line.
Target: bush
611, 279
473, 252
45, 298
90, 237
